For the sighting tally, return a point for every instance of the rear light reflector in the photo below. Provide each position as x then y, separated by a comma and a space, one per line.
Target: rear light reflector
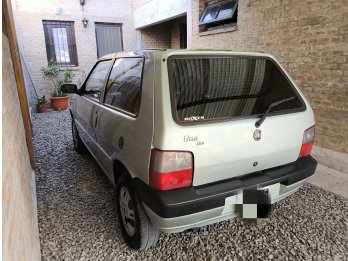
170, 169
307, 142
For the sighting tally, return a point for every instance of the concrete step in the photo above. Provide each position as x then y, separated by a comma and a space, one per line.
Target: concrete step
330, 180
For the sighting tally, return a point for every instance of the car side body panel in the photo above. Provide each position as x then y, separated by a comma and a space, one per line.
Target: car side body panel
120, 136
85, 116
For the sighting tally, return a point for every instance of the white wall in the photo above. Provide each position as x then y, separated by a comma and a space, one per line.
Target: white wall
158, 11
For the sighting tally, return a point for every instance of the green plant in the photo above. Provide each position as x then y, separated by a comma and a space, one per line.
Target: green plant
68, 76
52, 71
42, 100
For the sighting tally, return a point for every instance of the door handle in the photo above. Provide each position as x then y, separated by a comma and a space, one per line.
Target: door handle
96, 119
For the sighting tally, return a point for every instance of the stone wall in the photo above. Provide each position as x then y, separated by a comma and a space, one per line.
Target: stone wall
20, 236
31, 13
310, 39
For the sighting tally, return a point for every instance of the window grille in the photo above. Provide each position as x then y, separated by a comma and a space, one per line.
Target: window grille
60, 42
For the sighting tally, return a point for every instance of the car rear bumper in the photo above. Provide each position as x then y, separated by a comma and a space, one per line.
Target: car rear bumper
180, 209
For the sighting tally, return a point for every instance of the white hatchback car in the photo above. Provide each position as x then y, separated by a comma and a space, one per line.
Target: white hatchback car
191, 138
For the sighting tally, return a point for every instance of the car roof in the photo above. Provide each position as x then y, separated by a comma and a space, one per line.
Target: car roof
160, 53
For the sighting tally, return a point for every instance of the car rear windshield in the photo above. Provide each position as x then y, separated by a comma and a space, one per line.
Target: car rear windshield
221, 88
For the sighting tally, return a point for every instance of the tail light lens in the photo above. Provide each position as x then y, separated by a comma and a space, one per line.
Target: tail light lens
307, 142
170, 169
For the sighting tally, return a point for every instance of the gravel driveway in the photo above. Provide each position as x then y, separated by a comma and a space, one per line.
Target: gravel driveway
77, 215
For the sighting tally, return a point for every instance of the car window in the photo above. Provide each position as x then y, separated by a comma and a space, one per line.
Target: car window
96, 80
123, 91
206, 89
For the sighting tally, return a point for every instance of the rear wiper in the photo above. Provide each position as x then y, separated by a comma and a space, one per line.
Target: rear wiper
261, 120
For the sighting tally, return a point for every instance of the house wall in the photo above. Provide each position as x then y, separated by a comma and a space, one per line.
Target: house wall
139, 3
163, 35
31, 13
156, 36
175, 32
310, 39
20, 236
149, 13
156, 11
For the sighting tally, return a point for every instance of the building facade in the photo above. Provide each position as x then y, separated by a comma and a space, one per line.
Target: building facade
73, 33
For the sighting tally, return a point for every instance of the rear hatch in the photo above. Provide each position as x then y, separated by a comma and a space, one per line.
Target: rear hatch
215, 103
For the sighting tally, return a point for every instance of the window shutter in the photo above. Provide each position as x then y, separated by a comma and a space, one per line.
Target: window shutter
109, 38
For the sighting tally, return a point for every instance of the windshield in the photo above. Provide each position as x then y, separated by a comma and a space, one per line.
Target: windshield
218, 88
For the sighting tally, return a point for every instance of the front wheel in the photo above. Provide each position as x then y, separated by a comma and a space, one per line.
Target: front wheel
137, 229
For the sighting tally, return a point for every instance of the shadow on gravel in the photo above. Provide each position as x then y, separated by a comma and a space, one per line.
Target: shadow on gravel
78, 221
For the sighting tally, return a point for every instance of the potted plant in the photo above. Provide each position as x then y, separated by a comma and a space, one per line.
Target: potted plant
42, 104
59, 100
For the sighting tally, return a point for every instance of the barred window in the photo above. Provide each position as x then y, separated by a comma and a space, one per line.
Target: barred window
60, 42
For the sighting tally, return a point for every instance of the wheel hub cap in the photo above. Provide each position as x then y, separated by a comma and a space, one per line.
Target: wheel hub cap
127, 211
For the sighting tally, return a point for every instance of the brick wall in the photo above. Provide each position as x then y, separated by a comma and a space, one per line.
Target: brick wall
20, 238
156, 36
175, 36
31, 13
163, 35
309, 38
175, 32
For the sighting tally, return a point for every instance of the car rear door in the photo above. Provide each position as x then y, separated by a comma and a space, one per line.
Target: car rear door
87, 105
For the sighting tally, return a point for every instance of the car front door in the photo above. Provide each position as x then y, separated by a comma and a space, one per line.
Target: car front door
87, 105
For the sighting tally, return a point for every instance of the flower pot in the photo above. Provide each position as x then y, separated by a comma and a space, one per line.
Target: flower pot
42, 108
60, 103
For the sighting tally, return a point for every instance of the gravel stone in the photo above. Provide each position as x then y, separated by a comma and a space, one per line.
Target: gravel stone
78, 220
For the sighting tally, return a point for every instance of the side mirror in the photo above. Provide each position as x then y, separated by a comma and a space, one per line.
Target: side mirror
69, 88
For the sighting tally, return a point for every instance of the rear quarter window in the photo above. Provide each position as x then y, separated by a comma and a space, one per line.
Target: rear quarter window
124, 85
222, 88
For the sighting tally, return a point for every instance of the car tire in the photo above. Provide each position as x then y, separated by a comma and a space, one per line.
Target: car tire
136, 227
79, 146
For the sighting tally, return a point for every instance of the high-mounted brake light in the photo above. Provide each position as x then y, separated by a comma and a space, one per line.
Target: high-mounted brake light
170, 169
307, 142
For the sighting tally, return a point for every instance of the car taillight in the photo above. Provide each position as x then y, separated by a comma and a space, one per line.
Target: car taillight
170, 169
307, 142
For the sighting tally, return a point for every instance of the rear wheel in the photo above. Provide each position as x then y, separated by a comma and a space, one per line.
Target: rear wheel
137, 229
79, 146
